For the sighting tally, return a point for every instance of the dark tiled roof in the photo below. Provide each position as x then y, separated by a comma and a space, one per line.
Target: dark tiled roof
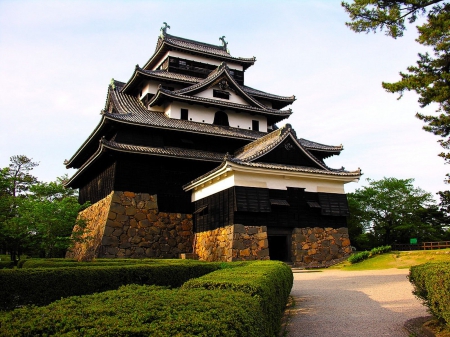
267, 143
259, 93
218, 52
284, 167
131, 110
165, 151
222, 71
163, 74
195, 45
281, 114
310, 145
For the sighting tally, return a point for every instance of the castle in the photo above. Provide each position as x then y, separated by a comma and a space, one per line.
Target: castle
188, 160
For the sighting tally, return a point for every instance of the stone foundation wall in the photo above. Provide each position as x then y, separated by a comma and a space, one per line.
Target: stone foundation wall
134, 228
319, 247
233, 243
96, 216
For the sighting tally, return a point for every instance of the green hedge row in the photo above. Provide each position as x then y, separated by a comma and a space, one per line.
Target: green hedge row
43, 286
269, 281
135, 310
361, 256
431, 283
67, 263
245, 301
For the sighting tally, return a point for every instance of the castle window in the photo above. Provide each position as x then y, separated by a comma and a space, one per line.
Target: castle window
184, 114
255, 125
221, 94
221, 118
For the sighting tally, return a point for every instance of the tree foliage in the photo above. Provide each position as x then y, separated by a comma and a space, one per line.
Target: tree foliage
391, 210
36, 217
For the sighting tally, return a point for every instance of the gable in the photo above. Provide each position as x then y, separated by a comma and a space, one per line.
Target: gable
288, 153
226, 95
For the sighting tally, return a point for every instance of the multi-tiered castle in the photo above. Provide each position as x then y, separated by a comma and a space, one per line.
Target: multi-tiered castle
187, 159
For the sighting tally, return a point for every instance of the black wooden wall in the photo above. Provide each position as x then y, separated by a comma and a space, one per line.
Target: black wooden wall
291, 208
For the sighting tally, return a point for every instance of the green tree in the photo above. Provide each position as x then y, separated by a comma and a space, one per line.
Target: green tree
392, 210
50, 213
36, 217
430, 78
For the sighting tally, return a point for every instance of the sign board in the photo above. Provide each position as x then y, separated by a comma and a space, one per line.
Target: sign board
413, 241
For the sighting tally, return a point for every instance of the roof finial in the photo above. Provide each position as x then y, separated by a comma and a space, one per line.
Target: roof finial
224, 43
164, 28
112, 84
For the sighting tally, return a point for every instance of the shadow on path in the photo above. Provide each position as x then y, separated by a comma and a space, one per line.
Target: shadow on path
353, 304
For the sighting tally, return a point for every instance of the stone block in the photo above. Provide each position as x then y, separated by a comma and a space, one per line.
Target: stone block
125, 245
144, 223
117, 208
129, 194
252, 230
140, 216
117, 232
312, 238
133, 223
345, 242
263, 253
151, 216
130, 210
112, 215
114, 224
164, 248
342, 230
108, 240
244, 252
122, 217
239, 229
151, 205
108, 231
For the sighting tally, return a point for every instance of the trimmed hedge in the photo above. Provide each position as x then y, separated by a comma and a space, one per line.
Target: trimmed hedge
269, 281
67, 263
141, 311
431, 283
361, 256
43, 286
244, 299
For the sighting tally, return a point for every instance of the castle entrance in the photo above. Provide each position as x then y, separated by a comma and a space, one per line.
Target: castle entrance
279, 244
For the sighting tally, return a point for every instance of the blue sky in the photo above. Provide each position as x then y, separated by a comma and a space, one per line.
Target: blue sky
58, 57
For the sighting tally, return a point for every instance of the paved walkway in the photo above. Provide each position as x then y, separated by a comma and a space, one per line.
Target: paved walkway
353, 304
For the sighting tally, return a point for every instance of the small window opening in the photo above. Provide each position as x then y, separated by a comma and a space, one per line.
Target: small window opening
255, 125
184, 114
221, 118
221, 94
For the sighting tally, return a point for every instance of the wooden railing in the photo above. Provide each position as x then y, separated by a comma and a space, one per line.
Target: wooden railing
421, 246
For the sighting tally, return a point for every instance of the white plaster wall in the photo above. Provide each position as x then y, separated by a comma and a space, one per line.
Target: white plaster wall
198, 113
213, 188
234, 98
281, 182
202, 59
271, 181
149, 87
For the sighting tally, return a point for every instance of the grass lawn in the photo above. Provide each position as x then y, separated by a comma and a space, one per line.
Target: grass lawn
400, 260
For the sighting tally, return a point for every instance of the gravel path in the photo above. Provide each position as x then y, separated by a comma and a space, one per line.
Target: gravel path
352, 304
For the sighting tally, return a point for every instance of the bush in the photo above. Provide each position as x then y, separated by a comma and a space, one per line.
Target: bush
380, 250
431, 283
6, 264
268, 281
361, 256
43, 286
358, 257
141, 311
67, 263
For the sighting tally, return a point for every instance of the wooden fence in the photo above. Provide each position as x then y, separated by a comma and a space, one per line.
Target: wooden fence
422, 245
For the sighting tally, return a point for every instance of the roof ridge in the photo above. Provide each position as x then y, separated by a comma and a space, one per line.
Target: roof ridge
195, 41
